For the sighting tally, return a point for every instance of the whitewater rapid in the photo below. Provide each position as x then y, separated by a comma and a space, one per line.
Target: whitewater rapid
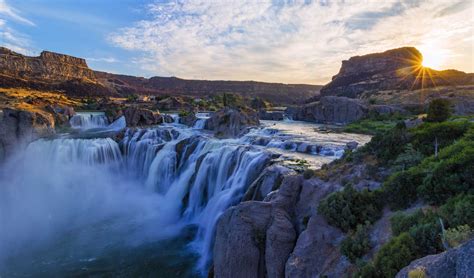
87, 198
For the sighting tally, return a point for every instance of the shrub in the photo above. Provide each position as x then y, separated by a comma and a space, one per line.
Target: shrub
445, 134
459, 235
356, 245
367, 271
451, 173
439, 110
394, 255
390, 144
427, 239
401, 187
349, 207
402, 222
458, 211
409, 158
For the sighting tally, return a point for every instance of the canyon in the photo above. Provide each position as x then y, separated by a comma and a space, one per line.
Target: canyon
130, 190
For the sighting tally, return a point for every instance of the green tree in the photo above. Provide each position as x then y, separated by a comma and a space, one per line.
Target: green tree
439, 110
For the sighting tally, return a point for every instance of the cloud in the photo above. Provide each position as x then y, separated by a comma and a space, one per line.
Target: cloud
10, 37
293, 42
8, 11
103, 59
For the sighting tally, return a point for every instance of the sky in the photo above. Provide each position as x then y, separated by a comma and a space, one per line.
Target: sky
273, 41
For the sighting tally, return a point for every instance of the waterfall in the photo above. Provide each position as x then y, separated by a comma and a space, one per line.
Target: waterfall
88, 120
153, 184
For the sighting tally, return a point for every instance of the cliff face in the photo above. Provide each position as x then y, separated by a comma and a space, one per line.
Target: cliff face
48, 66
49, 71
396, 69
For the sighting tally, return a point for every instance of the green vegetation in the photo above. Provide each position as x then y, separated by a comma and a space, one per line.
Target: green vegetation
357, 244
439, 110
430, 165
375, 124
459, 235
348, 208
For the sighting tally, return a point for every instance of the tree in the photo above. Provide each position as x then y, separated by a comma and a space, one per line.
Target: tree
439, 110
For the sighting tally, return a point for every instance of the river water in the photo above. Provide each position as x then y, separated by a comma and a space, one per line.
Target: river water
145, 205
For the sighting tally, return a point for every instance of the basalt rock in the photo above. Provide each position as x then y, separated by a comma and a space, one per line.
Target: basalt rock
49, 71
456, 262
189, 119
135, 116
330, 109
19, 127
396, 69
229, 122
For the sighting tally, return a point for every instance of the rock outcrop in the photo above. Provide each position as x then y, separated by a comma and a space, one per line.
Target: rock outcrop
189, 119
396, 69
229, 122
19, 127
330, 109
458, 262
135, 116
49, 71
273, 237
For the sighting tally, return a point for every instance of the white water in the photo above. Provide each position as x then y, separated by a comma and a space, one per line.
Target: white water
146, 188
88, 120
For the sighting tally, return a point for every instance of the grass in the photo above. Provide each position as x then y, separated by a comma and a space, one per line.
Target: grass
370, 126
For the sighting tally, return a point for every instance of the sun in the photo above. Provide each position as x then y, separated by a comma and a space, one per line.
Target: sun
432, 57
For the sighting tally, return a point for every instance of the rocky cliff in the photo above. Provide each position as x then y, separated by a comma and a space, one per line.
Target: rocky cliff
396, 69
49, 71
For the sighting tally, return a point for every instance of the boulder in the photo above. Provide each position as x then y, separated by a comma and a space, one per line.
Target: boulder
189, 119
270, 180
135, 116
330, 109
457, 262
271, 115
19, 127
230, 123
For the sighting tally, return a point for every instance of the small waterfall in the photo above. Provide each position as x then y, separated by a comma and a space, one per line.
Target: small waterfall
201, 120
89, 120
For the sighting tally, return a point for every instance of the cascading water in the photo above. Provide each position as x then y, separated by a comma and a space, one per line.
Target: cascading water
88, 120
98, 205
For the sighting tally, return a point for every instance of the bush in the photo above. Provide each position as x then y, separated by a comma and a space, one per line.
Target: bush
394, 255
439, 110
401, 187
349, 207
427, 239
390, 144
458, 211
445, 134
459, 235
409, 158
451, 173
402, 222
356, 245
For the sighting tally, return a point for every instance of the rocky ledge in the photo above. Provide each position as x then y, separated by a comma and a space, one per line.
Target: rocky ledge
230, 122
458, 262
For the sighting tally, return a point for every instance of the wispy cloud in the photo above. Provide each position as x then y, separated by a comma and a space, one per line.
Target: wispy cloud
11, 13
289, 41
10, 37
103, 59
